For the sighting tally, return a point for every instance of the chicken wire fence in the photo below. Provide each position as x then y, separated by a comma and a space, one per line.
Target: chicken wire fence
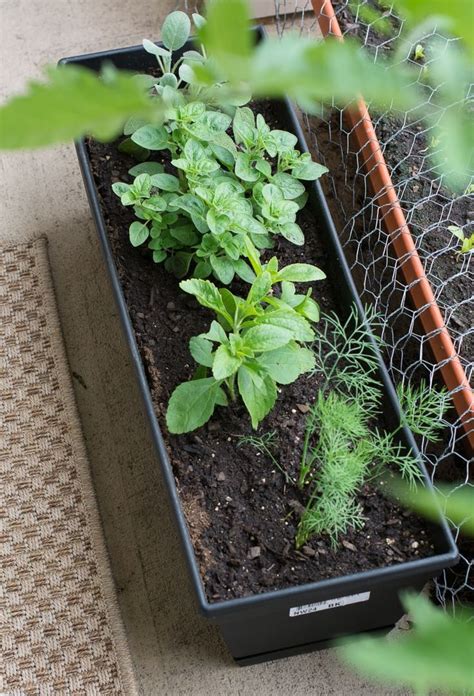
430, 209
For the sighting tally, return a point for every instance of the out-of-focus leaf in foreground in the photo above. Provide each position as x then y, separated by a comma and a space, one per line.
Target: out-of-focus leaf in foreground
73, 101
457, 504
435, 657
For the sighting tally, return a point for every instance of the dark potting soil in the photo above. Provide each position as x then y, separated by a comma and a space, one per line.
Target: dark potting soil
241, 511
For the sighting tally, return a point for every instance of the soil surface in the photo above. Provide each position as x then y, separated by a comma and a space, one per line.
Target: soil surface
241, 511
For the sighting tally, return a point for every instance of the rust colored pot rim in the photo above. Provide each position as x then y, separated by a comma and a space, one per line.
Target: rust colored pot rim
403, 245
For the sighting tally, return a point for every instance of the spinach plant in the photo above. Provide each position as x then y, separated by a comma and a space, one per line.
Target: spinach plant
254, 344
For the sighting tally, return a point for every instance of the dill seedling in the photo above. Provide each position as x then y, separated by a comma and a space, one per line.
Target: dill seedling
341, 451
265, 444
423, 409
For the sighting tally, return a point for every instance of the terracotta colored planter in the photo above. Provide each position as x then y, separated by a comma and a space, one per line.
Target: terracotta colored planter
395, 224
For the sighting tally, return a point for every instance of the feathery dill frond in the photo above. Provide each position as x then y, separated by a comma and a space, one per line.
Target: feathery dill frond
423, 408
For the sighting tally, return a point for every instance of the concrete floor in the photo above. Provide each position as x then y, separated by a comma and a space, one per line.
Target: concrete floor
175, 651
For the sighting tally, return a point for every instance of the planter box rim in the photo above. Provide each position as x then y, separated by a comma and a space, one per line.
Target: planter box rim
343, 584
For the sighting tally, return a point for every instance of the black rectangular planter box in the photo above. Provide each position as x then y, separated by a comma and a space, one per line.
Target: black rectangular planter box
294, 620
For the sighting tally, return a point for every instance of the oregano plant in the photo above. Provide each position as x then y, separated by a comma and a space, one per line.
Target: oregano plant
216, 198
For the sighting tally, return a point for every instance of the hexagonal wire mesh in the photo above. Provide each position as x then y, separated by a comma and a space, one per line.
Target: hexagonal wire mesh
429, 209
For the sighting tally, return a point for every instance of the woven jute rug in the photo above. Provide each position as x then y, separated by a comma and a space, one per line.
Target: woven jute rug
61, 631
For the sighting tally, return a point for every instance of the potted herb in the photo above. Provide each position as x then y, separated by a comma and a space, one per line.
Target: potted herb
220, 248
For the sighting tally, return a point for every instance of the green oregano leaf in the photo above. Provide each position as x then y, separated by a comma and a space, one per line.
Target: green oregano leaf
138, 233
151, 137
146, 168
166, 182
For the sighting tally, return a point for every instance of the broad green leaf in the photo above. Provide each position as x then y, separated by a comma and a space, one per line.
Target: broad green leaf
284, 141
309, 171
288, 64
155, 50
142, 184
230, 301
266, 337
221, 398
223, 268
179, 264
216, 121
138, 233
186, 73
244, 168
159, 255
201, 350
132, 124
170, 80
264, 167
193, 56
243, 124
207, 295
155, 203
175, 30
185, 234
248, 224
225, 364
166, 182
292, 232
287, 363
217, 223
216, 333
73, 102
298, 327
301, 273
119, 188
199, 20
308, 308
146, 168
244, 271
192, 111
202, 269
191, 405
260, 288
151, 137
434, 657
290, 187
272, 193
258, 391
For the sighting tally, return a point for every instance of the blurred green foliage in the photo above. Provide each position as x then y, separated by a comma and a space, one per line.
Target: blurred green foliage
74, 102
437, 656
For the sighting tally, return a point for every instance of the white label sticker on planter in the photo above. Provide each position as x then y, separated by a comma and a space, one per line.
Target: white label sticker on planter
329, 604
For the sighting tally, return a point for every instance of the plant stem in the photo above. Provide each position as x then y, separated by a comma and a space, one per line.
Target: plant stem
231, 387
